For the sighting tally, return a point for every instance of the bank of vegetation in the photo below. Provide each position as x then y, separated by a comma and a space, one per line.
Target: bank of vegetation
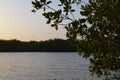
56, 45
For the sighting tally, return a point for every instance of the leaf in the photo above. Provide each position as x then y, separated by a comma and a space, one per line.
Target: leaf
82, 20
56, 27
84, 13
72, 10
52, 25
49, 2
59, 4
48, 22
62, 1
34, 10
33, 2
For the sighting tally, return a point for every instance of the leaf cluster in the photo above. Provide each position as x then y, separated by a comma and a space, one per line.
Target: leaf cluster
95, 33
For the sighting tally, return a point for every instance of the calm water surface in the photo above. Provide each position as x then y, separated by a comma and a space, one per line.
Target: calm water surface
44, 66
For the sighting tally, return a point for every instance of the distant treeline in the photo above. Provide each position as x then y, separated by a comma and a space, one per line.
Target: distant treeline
56, 45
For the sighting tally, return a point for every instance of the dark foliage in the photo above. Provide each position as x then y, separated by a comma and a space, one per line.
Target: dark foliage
95, 31
56, 45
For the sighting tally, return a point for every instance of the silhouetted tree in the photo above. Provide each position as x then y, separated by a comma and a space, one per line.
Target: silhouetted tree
56, 45
95, 31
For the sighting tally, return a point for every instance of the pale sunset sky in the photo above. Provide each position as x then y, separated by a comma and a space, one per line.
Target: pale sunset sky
18, 22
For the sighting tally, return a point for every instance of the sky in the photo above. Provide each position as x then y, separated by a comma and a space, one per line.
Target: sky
18, 22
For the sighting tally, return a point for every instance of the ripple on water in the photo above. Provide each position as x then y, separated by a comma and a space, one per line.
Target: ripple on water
43, 66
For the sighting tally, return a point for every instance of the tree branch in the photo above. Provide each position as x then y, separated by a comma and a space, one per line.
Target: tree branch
61, 14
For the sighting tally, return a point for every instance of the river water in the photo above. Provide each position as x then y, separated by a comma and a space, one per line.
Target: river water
44, 66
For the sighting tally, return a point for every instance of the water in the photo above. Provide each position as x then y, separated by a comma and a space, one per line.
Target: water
44, 66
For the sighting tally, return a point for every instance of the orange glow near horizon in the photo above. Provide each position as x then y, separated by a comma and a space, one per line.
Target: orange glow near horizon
18, 22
